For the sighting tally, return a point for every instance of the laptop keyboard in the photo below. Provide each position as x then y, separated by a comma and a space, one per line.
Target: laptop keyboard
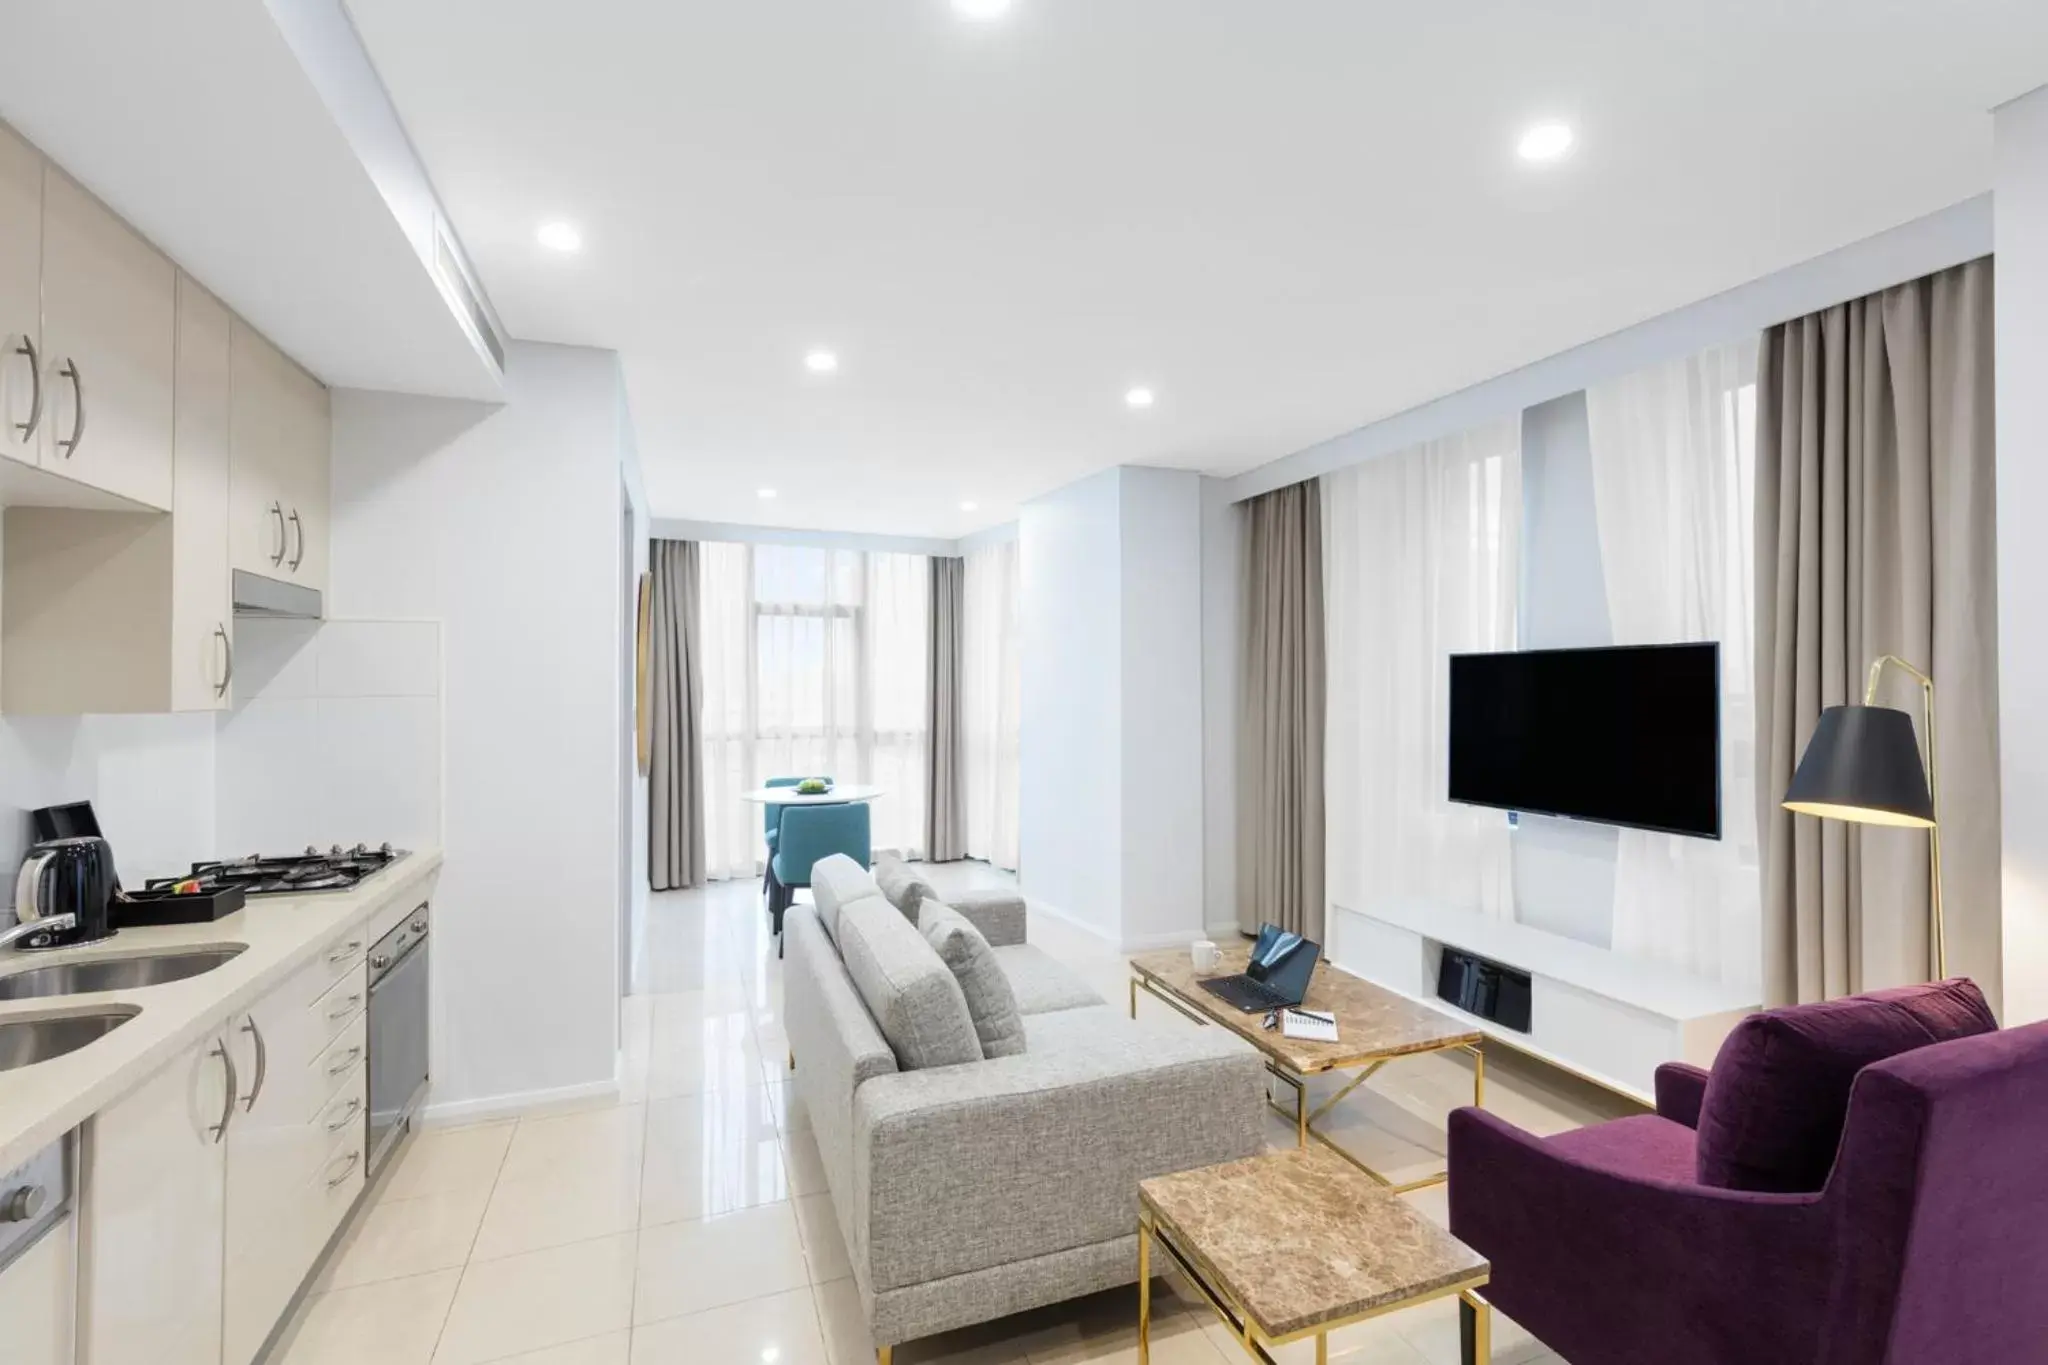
1245, 993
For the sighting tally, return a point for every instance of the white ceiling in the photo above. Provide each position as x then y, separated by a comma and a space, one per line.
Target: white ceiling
197, 123
1288, 219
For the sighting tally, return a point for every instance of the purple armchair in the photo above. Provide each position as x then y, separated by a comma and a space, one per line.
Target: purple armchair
1926, 1242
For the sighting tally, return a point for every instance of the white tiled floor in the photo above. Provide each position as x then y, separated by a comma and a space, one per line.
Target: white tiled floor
687, 1222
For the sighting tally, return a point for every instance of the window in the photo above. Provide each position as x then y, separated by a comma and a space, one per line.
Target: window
814, 666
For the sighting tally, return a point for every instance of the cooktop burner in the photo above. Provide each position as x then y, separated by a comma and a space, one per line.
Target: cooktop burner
337, 869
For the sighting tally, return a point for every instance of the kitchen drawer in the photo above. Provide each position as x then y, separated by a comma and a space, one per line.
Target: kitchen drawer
336, 961
341, 1005
336, 1068
340, 1178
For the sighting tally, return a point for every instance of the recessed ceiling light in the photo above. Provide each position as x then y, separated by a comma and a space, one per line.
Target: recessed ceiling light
821, 362
970, 507
765, 494
559, 236
981, 9
1545, 142
1139, 398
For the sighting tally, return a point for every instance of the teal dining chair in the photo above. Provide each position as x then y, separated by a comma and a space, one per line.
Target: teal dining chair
810, 834
771, 818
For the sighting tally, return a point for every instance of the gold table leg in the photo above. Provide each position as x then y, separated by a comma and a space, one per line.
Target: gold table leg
1144, 1290
1475, 1328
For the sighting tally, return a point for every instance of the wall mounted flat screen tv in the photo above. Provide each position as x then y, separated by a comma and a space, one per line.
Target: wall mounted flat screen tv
1623, 736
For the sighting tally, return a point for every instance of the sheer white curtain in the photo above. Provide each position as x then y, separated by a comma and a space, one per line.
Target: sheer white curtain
1674, 477
814, 664
1420, 554
991, 703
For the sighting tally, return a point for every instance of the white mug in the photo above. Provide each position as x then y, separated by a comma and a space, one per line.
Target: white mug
1206, 955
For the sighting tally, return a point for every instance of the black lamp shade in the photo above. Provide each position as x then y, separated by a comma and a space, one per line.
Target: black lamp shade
1863, 764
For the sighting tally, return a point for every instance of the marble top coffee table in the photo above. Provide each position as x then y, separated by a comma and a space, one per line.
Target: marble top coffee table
1375, 1026
1297, 1244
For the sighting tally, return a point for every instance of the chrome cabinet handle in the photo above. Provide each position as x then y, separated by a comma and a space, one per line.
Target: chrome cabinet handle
355, 1106
262, 1063
35, 387
70, 372
299, 555
348, 1059
227, 660
345, 952
347, 1167
234, 1090
284, 536
348, 1007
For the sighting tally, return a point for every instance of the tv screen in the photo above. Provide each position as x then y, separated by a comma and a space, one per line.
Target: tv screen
1626, 736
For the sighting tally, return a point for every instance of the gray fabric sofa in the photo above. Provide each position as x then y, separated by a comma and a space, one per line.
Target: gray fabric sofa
969, 1191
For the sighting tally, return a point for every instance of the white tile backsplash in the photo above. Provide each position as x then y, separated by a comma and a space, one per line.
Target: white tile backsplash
337, 740
151, 780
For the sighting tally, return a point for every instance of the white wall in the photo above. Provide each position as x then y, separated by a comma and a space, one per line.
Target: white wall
150, 778
1222, 554
503, 523
1161, 585
1563, 869
1111, 783
2022, 321
334, 737
1070, 795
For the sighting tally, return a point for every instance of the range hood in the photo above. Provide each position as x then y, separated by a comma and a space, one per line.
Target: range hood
256, 595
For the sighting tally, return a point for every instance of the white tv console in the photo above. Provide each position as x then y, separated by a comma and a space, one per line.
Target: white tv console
1606, 1018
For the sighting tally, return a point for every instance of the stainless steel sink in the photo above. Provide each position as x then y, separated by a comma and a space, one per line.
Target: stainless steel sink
114, 973
24, 1042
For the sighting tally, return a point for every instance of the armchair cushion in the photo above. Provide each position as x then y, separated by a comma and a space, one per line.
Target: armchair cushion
905, 889
912, 994
1772, 1114
990, 1001
1645, 1147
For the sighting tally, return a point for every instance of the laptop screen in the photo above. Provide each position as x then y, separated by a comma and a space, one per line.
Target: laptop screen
1283, 961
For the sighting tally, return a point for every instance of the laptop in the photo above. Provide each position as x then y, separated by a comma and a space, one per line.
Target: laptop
1276, 978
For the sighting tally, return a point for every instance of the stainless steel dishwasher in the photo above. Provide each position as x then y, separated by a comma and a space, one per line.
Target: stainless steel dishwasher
398, 1033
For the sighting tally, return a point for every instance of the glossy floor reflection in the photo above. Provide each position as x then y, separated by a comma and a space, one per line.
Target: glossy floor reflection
687, 1220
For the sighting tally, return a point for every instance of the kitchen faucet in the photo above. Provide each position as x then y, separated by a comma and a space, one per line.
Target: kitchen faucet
47, 924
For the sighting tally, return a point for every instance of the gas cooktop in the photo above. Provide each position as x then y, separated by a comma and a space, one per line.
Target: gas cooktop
337, 869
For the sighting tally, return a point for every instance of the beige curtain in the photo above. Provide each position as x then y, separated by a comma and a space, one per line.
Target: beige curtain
1875, 535
1281, 713
675, 773
945, 805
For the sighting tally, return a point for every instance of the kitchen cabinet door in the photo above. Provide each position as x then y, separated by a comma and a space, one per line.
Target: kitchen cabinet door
259, 454
154, 1200
304, 478
36, 1304
202, 640
110, 304
21, 293
273, 1150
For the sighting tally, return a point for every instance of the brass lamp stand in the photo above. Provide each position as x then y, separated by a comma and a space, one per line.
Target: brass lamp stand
1863, 765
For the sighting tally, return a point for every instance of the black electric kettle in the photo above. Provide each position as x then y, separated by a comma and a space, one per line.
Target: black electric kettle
72, 877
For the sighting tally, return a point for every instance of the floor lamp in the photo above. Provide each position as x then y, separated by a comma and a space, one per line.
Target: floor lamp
1863, 765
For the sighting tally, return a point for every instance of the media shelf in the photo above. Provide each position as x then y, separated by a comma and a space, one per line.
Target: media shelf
1606, 1018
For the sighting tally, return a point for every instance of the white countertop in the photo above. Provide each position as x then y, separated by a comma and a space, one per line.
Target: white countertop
40, 1103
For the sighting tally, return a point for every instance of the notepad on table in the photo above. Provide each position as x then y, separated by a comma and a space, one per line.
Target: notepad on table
1309, 1025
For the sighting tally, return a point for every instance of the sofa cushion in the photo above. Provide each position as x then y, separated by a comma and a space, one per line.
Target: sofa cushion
913, 996
990, 1001
1042, 984
835, 881
905, 889
1640, 1147
1779, 1092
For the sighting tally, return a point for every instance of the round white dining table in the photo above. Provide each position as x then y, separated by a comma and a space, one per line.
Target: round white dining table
845, 793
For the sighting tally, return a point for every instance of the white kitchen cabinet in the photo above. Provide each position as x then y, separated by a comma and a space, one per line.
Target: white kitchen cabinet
123, 612
110, 303
201, 663
154, 1189
283, 1179
279, 457
36, 1304
21, 295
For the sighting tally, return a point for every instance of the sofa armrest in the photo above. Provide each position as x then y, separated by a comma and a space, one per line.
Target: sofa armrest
998, 914
962, 1168
1680, 1089
1600, 1264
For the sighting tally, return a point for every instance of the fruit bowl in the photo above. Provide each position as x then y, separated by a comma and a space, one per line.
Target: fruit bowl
813, 786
